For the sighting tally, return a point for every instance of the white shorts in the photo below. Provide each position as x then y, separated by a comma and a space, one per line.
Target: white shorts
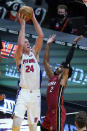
30, 101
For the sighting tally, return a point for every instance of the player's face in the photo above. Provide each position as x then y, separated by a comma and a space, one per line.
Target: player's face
26, 46
59, 70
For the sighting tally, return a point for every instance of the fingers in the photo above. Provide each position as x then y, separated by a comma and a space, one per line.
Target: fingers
77, 39
21, 16
80, 37
51, 39
52, 36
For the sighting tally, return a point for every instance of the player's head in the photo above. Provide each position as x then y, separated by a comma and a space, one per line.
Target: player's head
26, 46
65, 65
81, 119
61, 68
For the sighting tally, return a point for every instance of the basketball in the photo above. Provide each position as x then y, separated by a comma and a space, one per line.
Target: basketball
26, 11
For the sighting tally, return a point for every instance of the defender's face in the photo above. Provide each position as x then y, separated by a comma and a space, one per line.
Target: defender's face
59, 70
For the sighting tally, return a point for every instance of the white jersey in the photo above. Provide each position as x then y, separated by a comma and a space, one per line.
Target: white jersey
30, 72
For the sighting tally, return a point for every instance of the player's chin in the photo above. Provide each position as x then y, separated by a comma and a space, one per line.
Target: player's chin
28, 48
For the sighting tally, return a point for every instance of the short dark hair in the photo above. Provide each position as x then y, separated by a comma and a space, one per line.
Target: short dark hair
81, 119
62, 6
65, 65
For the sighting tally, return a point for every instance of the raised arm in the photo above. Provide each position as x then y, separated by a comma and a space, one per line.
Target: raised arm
47, 67
39, 41
21, 40
71, 52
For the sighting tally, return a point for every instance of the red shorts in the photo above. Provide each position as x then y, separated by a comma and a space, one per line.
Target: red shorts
55, 120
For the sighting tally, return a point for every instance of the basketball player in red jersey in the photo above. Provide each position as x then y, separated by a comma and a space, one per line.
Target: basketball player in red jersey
56, 114
29, 94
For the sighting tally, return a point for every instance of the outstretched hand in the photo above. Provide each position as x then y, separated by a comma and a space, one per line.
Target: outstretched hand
51, 39
77, 39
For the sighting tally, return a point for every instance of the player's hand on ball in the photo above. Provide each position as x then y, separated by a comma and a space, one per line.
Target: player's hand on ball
26, 12
21, 18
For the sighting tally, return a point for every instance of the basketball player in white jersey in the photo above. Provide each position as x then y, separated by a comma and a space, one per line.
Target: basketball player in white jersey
29, 94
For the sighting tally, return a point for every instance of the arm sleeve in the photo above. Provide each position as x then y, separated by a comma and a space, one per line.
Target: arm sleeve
70, 54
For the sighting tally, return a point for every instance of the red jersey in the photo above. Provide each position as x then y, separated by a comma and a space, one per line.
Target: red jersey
55, 117
53, 92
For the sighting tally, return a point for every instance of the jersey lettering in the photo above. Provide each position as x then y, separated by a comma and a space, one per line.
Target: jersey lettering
52, 83
28, 61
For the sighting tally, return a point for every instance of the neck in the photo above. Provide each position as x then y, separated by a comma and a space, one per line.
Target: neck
26, 52
60, 77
